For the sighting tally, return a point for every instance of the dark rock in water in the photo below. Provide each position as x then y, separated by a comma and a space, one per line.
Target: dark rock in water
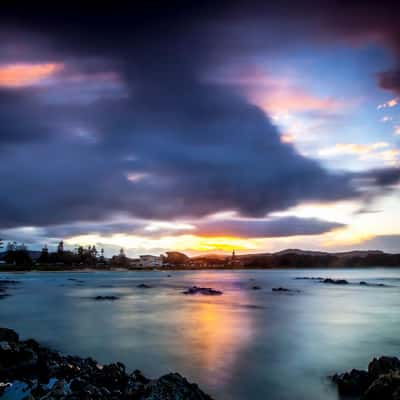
174, 387
204, 291
106, 298
5, 285
143, 286
280, 289
386, 387
363, 283
335, 281
8, 335
285, 290
312, 278
355, 382
383, 365
256, 287
380, 382
46, 374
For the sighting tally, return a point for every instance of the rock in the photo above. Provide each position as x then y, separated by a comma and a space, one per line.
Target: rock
363, 283
45, 374
285, 290
8, 335
280, 289
106, 298
4, 346
256, 287
312, 278
200, 290
383, 365
174, 387
143, 286
335, 281
355, 382
386, 387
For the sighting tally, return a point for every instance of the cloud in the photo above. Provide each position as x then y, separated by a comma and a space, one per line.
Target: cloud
21, 75
262, 228
390, 103
130, 126
379, 151
390, 80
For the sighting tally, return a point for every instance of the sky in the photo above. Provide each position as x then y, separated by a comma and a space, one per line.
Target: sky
202, 129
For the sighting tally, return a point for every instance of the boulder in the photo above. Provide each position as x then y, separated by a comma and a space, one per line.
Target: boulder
8, 335
355, 382
202, 290
143, 286
106, 298
386, 387
383, 365
335, 281
174, 387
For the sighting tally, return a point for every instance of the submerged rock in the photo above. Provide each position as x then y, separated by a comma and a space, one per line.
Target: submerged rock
40, 373
202, 290
355, 382
256, 287
144, 286
383, 365
335, 281
380, 382
363, 283
106, 298
285, 290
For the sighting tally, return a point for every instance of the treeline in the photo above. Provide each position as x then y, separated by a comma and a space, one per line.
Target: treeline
19, 255
292, 260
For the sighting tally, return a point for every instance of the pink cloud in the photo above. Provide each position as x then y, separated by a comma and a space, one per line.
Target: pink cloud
26, 74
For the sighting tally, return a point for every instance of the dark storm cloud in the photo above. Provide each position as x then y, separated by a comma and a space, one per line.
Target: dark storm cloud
273, 227
140, 109
390, 80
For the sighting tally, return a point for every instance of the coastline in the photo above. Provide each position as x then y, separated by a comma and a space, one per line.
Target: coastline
179, 269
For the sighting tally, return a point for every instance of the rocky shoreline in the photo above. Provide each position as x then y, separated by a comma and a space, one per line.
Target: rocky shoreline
380, 382
30, 371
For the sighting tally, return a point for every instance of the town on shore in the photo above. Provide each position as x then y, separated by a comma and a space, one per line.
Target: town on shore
17, 256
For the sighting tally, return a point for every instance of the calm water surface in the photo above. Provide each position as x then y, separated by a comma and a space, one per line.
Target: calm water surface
245, 344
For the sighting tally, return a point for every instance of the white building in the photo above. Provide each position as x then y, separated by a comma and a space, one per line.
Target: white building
148, 261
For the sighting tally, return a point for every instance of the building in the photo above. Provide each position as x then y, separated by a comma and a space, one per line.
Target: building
148, 261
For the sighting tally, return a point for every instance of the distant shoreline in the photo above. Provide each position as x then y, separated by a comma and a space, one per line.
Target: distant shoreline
172, 269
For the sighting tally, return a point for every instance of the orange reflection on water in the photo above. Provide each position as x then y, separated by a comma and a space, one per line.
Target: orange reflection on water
220, 328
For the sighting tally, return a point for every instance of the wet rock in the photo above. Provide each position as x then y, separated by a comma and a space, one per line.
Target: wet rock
335, 281
201, 290
383, 365
285, 290
174, 387
45, 374
355, 382
112, 298
143, 286
256, 287
380, 382
280, 289
363, 283
8, 335
312, 278
386, 387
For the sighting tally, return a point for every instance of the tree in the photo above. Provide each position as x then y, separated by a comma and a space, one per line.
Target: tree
176, 258
44, 255
60, 247
17, 254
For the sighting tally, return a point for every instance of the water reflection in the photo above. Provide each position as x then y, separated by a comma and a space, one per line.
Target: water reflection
219, 332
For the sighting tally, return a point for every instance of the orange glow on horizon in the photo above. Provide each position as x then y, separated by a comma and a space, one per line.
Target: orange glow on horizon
19, 75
